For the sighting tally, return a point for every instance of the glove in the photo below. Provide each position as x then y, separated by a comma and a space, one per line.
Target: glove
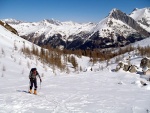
40, 80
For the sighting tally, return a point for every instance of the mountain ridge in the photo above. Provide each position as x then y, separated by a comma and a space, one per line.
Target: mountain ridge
142, 16
117, 29
8, 27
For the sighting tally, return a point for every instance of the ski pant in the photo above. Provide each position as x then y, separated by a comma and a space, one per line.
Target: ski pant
33, 82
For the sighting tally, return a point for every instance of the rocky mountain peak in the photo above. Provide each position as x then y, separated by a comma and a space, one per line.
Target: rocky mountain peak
50, 21
135, 9
115, 10
117, 14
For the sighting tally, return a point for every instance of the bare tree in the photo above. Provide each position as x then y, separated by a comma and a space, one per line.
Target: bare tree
28, 65
15, 47
12, 56
20, 62
4, 68
107, 62
2, 52
2, 75
81, 69
67, 70
22, 71
36, 62
44, 66
74, 62
14, 59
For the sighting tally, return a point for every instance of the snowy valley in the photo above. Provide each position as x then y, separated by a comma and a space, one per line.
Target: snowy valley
101, 90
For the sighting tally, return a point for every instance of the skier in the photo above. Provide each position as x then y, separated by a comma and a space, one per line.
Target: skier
32, 76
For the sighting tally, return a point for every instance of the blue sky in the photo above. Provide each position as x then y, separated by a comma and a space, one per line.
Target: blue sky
66, 10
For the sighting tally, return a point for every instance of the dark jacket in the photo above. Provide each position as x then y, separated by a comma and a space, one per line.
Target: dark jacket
33, 76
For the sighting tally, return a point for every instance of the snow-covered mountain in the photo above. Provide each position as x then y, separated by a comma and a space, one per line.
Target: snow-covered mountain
86, 92
142, 16
50, 31
117, 29
119, 22
49, 28
12, 21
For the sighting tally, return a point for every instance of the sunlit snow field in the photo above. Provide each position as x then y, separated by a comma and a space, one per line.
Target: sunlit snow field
103, 91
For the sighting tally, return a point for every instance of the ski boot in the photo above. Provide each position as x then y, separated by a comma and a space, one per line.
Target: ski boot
35, 92
30, 91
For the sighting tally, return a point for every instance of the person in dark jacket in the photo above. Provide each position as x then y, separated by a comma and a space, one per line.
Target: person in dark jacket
33, 80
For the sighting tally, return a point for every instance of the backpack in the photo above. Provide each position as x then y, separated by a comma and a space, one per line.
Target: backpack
31, 75
33, 69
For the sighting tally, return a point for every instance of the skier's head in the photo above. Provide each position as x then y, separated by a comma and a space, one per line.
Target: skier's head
34, 71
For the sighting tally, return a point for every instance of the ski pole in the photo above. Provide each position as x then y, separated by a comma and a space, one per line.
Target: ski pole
40, 84
29, 85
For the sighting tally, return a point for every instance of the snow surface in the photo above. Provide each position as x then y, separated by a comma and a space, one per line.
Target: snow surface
143, 43
138, 14
142, 15
97, 91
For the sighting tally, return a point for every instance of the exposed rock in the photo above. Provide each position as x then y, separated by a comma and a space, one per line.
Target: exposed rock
145, 62
119, 66
143, 83
8, 27
147, 72
126, 67
133, 69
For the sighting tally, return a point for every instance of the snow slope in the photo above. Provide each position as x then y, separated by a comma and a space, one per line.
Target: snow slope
95, 91
142, 43
142, 16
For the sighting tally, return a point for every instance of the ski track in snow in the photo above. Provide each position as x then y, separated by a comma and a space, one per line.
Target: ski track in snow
84, 93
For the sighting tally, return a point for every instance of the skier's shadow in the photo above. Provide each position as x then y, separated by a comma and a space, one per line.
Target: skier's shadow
140, 73
23, 91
